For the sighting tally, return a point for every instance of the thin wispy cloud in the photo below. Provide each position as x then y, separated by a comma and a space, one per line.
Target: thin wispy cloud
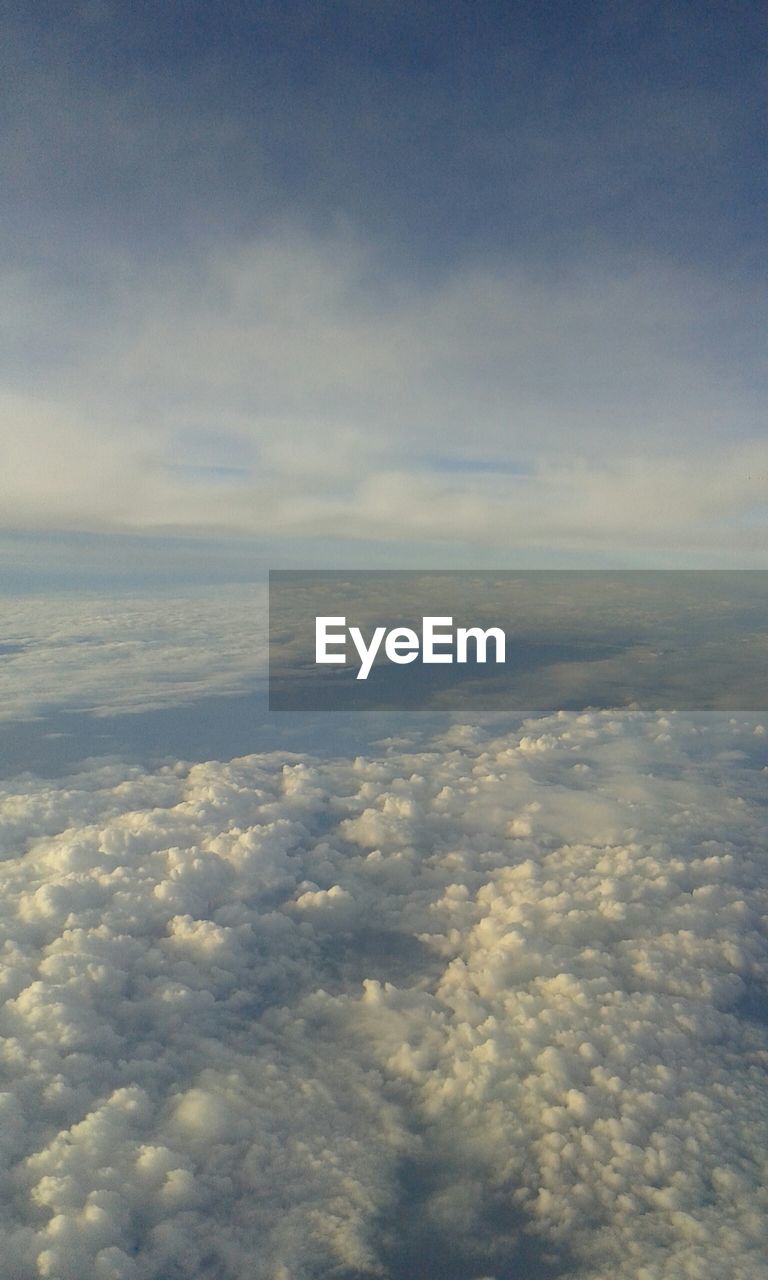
344, 240
324, 404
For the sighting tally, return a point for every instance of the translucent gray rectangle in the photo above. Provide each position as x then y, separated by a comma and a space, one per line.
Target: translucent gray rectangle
682, 639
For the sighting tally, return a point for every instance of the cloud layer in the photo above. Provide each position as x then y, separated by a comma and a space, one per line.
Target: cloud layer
109, 654
401, 275
287, 387
242, 998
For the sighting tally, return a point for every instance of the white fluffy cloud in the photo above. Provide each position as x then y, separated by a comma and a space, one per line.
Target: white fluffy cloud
242, 997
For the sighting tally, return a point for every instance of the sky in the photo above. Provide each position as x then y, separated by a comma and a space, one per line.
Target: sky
379, 995
356, 283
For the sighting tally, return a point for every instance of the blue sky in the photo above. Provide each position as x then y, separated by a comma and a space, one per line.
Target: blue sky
442, 130
475, 283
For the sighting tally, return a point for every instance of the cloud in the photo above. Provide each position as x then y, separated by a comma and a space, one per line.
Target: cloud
339, 251
320, 386
241, 997
109, 654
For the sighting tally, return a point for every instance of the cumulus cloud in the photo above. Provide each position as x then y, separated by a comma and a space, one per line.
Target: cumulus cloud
241, 999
